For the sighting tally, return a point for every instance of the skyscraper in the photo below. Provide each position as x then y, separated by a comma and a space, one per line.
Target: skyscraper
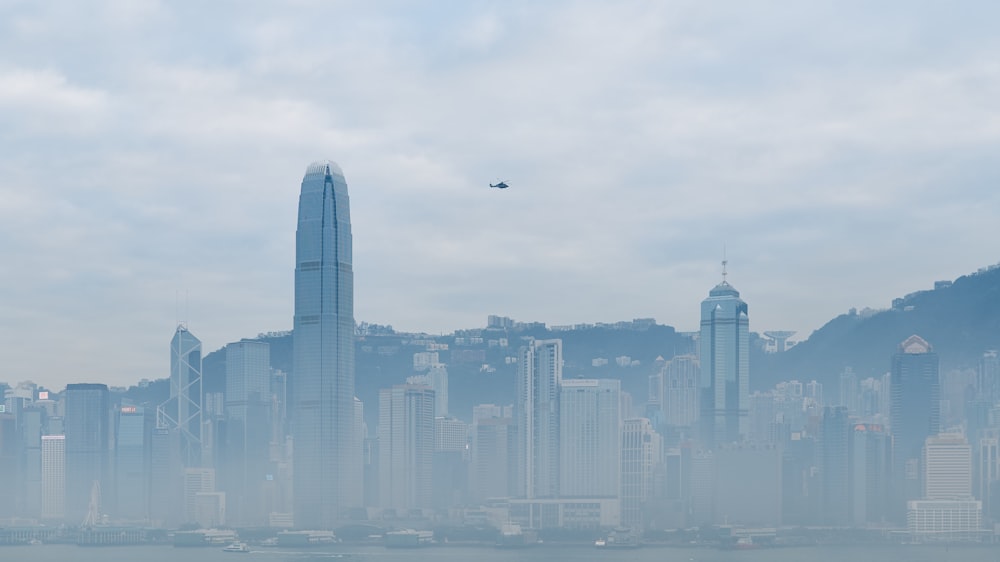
88, 450
244, 465
642, 455
725, 366
590, 438
539, 374
680, 391
131, 462
53, 477
915, 412
322, 383
406, 446
182, 411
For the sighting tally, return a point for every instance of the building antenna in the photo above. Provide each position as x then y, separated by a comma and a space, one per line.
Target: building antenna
724, 263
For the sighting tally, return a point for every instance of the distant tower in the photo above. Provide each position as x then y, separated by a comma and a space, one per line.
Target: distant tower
642, 456
725, 365
88, 450
539, 374
680, 391
248, 430
406, 446
53, 477
325, 461
182, 411
915, 411
590, 438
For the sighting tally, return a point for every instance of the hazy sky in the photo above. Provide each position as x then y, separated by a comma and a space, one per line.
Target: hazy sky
151, 155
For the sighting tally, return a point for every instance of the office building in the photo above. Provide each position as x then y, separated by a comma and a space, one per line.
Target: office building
915, 412
53, 477
492, 458
131, 463
835, 466
322, 384
589, 438
539, 374
406, 446
183, 410
870, 472
680, 391
725, 366
642, 456
88, 448
245, 463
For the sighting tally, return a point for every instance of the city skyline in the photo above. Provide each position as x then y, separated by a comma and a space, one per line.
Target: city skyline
179, 153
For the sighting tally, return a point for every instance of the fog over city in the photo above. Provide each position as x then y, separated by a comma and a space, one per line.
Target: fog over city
586, 276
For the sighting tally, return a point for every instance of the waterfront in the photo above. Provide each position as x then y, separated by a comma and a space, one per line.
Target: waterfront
921, 553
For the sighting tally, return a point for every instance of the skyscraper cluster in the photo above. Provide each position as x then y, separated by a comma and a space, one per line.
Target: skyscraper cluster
905, 448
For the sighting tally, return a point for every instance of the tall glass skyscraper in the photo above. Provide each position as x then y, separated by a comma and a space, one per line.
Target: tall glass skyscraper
915, 412
182, 412
725, 366
326, 466
88, 451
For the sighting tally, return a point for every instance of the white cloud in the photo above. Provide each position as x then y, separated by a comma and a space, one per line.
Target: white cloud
842, 152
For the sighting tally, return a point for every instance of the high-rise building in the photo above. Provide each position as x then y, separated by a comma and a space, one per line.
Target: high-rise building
849, 390
322, 383
947, 511
539, 374
725, 366
870, 470
680, 391
131, 459
590, 438
88, 447
32, 428
987, 473
835, 466
406, 446
642, 456
53, 477
438, 374
915, 412
493, 468
182, 412
244, 466
947, 467
989, 376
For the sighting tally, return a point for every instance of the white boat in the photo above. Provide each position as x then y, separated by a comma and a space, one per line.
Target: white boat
237, 547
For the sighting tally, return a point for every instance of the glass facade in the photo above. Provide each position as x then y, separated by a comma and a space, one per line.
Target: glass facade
326, 480
725, 366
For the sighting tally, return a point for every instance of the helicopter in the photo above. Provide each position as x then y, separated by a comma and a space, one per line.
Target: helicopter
500, 185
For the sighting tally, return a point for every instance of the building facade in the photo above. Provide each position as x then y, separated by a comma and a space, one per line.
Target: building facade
539, 374
724, 358
915, 412
406, 446
327, 464
589, 438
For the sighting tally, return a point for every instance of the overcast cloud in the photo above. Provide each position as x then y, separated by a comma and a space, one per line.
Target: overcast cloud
151, 155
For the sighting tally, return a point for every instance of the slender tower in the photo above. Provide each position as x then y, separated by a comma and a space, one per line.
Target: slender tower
325, 475
725, 365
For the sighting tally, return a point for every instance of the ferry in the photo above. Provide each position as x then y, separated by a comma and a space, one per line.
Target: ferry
237, 547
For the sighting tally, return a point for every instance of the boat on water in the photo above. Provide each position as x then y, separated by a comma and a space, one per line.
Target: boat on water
237, 547
513, 536
407, 538
619, 538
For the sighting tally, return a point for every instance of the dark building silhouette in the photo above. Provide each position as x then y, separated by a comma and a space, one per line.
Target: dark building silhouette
915, 414
88, 446
834, 466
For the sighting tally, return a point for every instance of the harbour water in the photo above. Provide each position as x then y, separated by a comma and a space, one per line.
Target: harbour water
546, 553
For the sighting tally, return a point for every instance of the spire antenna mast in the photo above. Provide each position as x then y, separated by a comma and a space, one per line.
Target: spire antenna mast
724, 263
